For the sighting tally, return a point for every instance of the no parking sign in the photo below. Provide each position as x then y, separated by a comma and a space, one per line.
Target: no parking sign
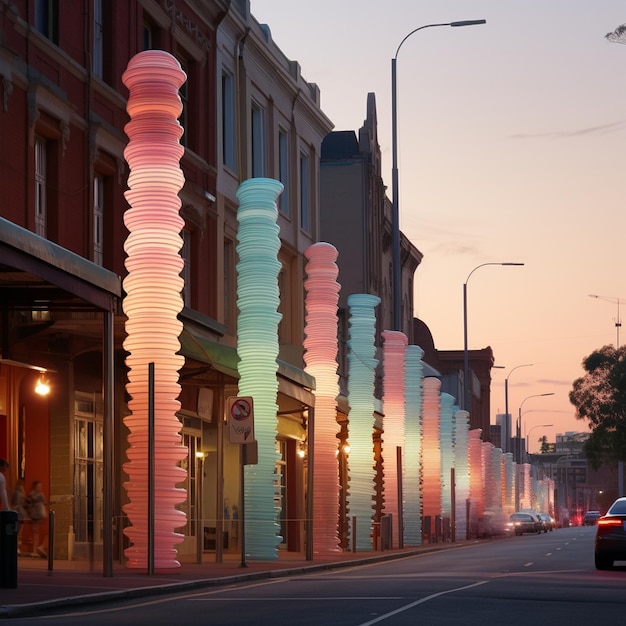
241, 419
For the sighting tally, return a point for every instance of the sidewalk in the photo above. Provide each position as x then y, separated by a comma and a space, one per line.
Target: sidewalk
72, 583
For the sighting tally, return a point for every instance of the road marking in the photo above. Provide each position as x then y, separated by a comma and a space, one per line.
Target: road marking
528, 564
421, 601
549, 554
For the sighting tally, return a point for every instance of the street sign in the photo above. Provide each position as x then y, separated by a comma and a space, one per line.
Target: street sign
241, 419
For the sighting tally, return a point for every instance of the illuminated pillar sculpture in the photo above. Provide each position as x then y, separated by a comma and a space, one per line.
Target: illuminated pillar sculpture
394, 347
414, 376
258, 299
153, 300
431, 455
462, 471
509, 478
362, 365
476, 480
320, 357
446, 445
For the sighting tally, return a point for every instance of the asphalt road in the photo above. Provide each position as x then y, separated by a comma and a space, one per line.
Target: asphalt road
534, 579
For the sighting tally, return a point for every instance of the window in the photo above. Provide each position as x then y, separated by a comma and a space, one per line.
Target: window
229, 283
97, 61
41, 190
47, 19
98, 219
229, 154
257, 137
148, 36
305, 193
185, 254
283, 171
88, 468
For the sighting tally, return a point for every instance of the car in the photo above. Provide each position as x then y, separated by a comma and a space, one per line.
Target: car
591, 518
548, 522
610, 541
525, 523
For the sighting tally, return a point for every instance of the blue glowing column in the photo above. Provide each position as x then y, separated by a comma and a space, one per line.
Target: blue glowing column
362, 365
462, 471
257, 346
414, 373
394, 347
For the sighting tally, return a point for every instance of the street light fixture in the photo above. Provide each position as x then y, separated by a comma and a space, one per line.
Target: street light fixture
531, 430
519, 421
466, 384
506, 391
395, 216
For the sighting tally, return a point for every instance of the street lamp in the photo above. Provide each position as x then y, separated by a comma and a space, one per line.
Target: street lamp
395, 216
531, 430
519, 420
466, 385
506, 391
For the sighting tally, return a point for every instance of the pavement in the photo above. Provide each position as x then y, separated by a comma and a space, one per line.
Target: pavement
43, 585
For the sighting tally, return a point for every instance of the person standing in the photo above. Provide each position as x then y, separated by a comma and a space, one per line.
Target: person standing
18, 504
4, 499
38, 513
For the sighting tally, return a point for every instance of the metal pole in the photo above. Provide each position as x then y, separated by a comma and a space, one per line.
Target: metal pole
466, 374
242, 508
150, 468
310, 483
400, 498
395, 214
108, 434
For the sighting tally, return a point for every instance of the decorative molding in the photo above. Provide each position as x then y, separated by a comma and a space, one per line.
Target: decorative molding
64, 127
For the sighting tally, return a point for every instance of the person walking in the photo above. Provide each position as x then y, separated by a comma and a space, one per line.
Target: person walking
38, 514
18, 504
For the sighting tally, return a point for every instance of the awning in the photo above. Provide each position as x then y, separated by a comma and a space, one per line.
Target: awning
292, 381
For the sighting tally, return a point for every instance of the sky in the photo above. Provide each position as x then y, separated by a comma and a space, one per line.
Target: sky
511, 148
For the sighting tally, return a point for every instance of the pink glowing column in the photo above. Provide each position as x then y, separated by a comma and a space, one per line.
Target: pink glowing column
431, 453
320, 356
476, 478
152, 302
394, 349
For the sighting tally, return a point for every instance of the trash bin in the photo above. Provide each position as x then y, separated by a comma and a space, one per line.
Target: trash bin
8, 549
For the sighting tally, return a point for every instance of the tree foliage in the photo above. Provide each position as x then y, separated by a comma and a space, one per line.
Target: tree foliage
618, 35
600, 398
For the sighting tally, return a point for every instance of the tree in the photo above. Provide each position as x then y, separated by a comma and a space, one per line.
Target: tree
618, 35
545, 446
600, 397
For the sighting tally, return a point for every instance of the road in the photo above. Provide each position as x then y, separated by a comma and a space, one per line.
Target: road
534, 579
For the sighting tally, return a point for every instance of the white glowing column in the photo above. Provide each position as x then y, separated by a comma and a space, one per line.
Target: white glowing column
476, 479
446, 444
431, 453
320, 356
153, 300
509, 478
362, 365
462, 471
488, 476
258, 297
394, 347
414, 376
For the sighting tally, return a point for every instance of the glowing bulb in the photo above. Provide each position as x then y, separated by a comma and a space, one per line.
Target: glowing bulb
42, 387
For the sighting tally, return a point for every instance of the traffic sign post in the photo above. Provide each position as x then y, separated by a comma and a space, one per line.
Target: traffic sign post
241, 419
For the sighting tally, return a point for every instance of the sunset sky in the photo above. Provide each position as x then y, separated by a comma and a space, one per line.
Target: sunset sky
512, 148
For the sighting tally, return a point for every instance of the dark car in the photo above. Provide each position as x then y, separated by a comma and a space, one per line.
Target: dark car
548, 522
610, 544
591, 518
525, 523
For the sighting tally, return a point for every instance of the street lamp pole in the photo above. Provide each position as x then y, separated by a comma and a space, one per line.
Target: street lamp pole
531, 430
519, 419
466, 374
395, 216
506, 393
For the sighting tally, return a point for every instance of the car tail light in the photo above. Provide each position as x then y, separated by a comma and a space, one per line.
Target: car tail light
606, 525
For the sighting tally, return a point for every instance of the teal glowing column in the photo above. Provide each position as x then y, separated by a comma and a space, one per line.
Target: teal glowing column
362, 365
258, 296
320, 357
394, 347
414, 376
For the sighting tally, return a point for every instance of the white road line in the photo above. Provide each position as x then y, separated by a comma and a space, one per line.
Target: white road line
528, 564
421, 601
